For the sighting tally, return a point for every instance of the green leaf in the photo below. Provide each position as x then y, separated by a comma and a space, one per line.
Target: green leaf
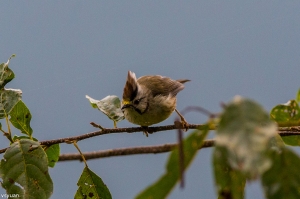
6, 74
53, 154
110, 106
298, 96
24, 170
276, 143
282, 180
16, 138
245, 131
163, 186
8, 99
293, 140
20, 117
230, 182
91, 186
287, 114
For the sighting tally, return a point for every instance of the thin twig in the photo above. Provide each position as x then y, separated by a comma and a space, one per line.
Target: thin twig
127, 151
181, 157
143, 150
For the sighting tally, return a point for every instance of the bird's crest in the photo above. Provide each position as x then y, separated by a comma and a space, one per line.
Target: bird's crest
130, 89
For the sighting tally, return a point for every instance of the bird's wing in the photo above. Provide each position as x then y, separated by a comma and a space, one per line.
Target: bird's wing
160, 85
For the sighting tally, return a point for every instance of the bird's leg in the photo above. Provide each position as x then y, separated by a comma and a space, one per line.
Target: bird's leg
183, 121
145, 130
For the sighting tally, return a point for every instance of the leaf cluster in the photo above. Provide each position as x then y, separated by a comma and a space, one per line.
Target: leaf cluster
247, 148
24, 167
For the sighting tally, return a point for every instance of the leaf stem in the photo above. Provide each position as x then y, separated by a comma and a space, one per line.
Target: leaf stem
8, 134
82, 156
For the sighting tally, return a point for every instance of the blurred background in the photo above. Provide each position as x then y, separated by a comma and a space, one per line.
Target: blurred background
66, 50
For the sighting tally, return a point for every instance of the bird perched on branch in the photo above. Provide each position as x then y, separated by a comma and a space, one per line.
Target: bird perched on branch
150, 99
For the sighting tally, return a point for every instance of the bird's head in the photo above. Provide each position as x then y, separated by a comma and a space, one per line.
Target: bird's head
134, 95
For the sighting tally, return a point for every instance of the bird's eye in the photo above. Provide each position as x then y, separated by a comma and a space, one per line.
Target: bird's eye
136, 102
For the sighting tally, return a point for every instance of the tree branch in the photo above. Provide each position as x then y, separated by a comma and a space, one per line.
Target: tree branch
151, 149
127, 151
104, 131
283, 131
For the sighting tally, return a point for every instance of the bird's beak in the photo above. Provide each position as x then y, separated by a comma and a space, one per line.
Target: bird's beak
126, 104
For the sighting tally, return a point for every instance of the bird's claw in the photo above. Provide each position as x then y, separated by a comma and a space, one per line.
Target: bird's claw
145, 133
184, 124
146, 130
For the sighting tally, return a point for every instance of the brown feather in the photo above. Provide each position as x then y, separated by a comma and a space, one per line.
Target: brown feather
160, 85
183, 80
131, 88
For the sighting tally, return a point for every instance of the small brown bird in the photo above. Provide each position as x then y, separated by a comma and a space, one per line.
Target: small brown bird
150, 99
